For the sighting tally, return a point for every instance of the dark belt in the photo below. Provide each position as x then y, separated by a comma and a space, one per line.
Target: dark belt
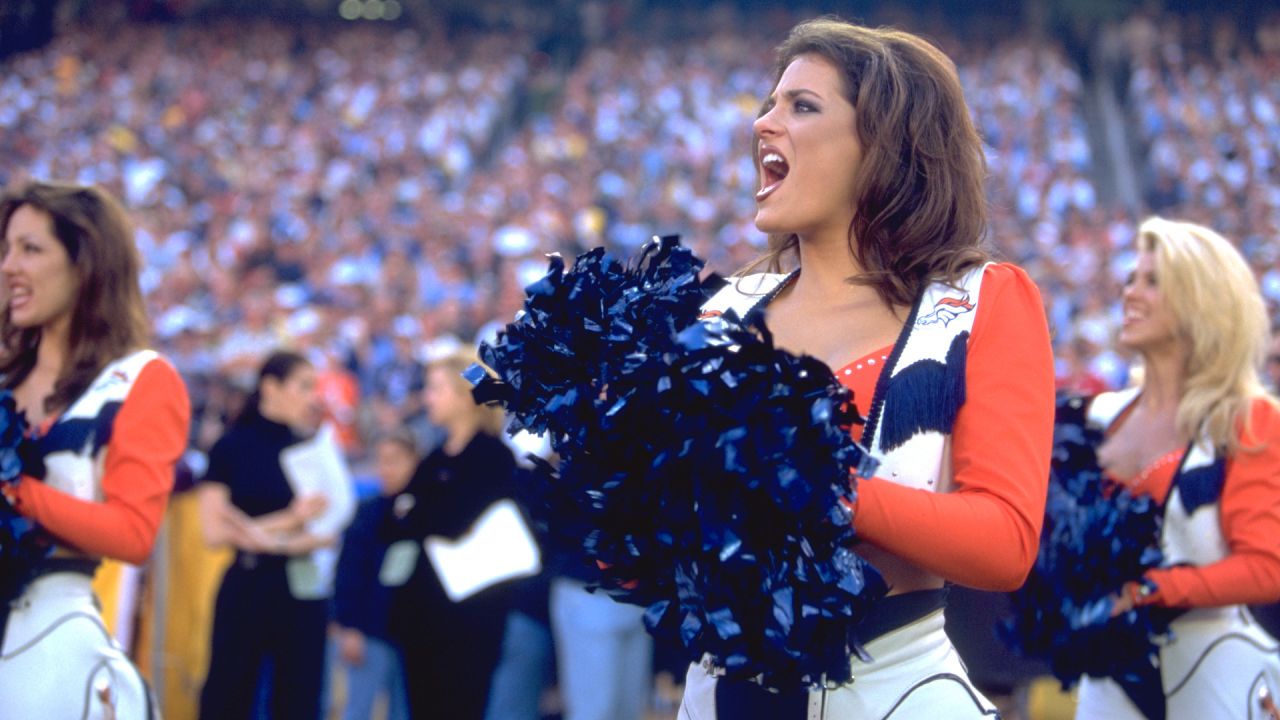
81, 565
898, 611
46, 566
747, 700
252, 561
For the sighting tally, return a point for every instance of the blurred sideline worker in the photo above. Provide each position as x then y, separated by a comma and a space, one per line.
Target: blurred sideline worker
264, 623
362, 600
450, 648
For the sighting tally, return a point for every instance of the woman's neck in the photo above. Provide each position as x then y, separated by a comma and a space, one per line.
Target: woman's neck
1163, 380
827, 259
51, 352
825, 268
459, 434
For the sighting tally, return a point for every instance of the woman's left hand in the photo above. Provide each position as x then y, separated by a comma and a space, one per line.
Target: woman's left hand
1121, 602
1134, 594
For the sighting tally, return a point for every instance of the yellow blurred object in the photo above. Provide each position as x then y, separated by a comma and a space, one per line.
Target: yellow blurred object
123, 602
576, 147
121, 139
1046, 700
748, 104
107, 586
187, 575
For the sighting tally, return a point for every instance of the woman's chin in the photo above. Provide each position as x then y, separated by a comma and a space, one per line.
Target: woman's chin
22, 322
768, 223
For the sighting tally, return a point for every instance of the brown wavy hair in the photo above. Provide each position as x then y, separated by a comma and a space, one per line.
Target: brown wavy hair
920, 209
109, 319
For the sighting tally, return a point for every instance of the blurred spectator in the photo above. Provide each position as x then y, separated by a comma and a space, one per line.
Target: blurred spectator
450, 647
269, 622
362, 593
1074, 374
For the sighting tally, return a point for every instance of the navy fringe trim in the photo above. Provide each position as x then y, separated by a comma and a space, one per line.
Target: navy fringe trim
1201, 486
925, 395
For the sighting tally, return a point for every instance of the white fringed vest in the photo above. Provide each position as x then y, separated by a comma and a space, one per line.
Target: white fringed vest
919, 394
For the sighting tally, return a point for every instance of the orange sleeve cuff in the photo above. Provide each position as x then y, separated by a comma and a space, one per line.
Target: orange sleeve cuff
148, 437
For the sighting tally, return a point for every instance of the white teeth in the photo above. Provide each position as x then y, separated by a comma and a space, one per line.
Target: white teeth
772, 159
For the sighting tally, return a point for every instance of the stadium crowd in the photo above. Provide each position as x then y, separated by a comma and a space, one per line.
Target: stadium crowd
377, 196
367, 192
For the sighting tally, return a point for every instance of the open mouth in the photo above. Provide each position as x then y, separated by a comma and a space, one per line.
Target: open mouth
773, 170
18, 298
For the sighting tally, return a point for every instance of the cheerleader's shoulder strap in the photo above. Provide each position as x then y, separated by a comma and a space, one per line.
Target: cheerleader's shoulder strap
746, 294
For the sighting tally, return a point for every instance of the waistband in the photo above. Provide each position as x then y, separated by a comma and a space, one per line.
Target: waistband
84, 567
896, 611
891, 613
21, 577
255, 561
80, 565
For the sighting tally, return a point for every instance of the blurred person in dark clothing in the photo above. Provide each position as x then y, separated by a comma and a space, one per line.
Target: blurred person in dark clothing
263, 622
449, 648
362, 597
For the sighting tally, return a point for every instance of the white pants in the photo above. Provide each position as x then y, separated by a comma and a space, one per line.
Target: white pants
1214, 667
915, 674
59, 661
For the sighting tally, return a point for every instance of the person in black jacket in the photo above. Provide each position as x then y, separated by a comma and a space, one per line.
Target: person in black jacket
362, 594
261, 624
450, 648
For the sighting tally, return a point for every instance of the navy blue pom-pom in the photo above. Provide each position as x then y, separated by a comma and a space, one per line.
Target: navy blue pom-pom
582, 326
1097, 536
22, 543
708, 471
13, 429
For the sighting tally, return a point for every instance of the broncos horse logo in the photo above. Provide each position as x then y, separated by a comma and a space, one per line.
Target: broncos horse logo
946, 310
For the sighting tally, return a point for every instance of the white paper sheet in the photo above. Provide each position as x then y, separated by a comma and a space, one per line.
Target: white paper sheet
497, 547
316, 466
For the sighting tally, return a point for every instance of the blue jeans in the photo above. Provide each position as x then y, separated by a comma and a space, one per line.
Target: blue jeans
380, 672
523, 672
605, 655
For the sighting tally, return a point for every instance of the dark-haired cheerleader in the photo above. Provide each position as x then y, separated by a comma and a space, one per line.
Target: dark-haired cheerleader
871, 190
109, 422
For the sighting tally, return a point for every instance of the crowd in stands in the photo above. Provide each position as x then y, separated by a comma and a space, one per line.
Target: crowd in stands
1204, 99
291, 185
378, 194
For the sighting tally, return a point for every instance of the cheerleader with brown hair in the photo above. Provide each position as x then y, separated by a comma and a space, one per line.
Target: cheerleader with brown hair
109, 421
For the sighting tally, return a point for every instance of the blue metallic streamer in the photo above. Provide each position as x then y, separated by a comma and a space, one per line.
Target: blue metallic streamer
1097, 536
706, 470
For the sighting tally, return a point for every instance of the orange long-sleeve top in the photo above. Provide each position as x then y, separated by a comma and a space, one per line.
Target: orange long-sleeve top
1249, 512
148, 437
985, 532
